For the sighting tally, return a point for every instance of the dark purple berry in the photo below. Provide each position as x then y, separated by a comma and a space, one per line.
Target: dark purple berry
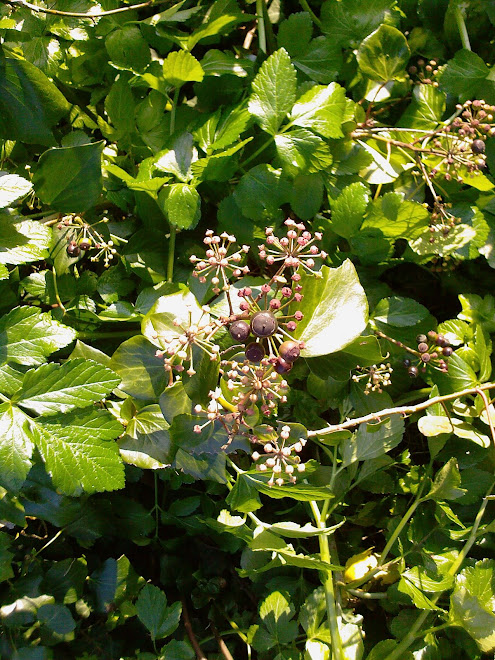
85, 243
73, 249
421, 339
239, 330
264, 324
289, 351
478, 147
413, 372
422, 348
426, 357
254, 352
447, 351
282, 366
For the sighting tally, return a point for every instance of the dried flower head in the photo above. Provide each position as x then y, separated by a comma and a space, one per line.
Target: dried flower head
297, 249
378, 377
219, 264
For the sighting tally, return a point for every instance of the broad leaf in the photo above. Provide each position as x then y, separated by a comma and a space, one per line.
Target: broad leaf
57, 618
12, 187
321, 109
23, 241
82, 424
152, 611
142, 373
54, 388
466, 76
301, 151
28, 336
274, 91
446, 483
372, 440
146, 442
261, 192
180, 67
128, 49
384, 54
181, 204
69, 178
348, 210
349, 24
335, 310
16, 446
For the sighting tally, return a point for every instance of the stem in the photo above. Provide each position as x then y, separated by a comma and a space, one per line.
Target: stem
190, 633
256, 153
327, 582
4, 398
261, 25
400, 410
171, 253
304, 4
461, 26
156, 507
90, 15
175, 101
55, 288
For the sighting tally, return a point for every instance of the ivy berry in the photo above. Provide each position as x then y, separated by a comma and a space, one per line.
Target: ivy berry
73, 249
240, 330
264, 324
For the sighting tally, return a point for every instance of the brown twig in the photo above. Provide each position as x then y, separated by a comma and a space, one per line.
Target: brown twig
221, 644
401, 410
90, 15
190, 633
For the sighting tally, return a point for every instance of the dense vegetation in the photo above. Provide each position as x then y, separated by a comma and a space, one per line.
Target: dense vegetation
246, 308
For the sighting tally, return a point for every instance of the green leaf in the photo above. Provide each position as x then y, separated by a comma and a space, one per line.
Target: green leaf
221, 16
69, 178
82, 424
426, 108
28, 336
120, 106
23, 241
178, 158
446, 483
56, 388
335, 310
218, 63
80, 463
30, 104
399, 312
128, 49
158, 324
322, 61
261, 192
466, 77
181, 204
349, 208
180, 67
396, 217
307, 195
12, 187
16, 446
384, 54
244, 496
322, 109
274, 91
349, 24
142, 373
301, 151
146, 442
276, 613
418, 597
372, 440
57, 618
295, 33
152, 611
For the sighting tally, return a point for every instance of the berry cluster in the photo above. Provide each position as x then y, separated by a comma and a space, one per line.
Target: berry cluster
82, 237
297, 248
378, 377
219, 262
281, 457
425, 72
254, 384
433, 350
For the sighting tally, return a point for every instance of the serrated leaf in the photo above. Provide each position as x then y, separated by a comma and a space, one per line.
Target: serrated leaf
301, 151
261, 192
4, 272
383, 55
396, 217
28, 336
321, 109
79, 424
180, 67
181, 204
69, 178
23, 241
471, 612
335, 310
274, 91
152, 611
349, 208
322, 61
295, 33
276, 613
127, 48
16, 446
80, 463
466, 77
12, 187
348, 24
54, 388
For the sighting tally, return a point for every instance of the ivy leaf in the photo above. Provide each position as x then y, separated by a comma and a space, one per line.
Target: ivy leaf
335, 310
28, 336
30, 103
128, 49
69, 178
12, 187
180, 67
181, 204
426, 108
349, 24
146, 442
294, 34
152, 611
446, 483
322, 109
261, 192
158, 324
301, 151
349, 208
274, 91
56, 388
396, 217
384, 54
399, 312
16, 446
141, 372
23, 241
57, 618
372, 440
322, 61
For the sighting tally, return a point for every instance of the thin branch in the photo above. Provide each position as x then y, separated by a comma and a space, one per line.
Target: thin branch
221, 644
400, 410
190, 633
90, 15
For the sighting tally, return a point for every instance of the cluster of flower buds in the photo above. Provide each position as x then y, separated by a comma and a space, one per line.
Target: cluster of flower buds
425, 72
378, 377
442, 219
280, 457
219, 264
474, 122
179, 345
434, 350
82, 237
297, 249
252, 384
